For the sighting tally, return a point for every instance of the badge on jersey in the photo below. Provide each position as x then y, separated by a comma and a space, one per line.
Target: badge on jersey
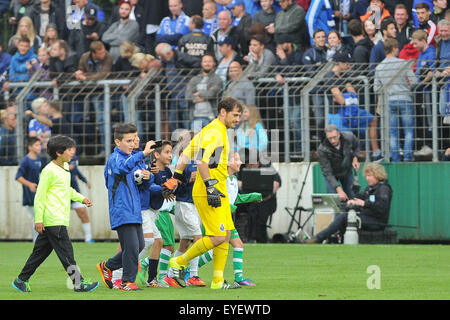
222, 227
372, 198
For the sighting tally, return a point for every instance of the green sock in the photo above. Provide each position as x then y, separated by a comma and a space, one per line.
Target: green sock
164, 258
238, 262
205, 258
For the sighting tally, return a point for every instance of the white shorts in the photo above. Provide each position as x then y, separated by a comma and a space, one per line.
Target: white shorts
148, 223
77, 205
187, 220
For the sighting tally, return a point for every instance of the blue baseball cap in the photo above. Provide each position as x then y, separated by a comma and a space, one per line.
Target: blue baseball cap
227, 40
235, 3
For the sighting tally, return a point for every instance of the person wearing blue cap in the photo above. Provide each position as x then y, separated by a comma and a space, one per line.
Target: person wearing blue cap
229, 54
242, 21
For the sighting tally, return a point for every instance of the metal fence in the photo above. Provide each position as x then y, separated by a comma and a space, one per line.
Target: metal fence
387, 110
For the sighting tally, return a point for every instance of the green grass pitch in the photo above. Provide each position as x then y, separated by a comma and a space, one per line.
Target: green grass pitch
281, 272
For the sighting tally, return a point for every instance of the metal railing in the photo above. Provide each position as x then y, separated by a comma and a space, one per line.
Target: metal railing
293, 111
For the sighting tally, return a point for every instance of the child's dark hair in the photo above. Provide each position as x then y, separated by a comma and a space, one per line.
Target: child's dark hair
59, 144
32, 140
122, 129
164, 143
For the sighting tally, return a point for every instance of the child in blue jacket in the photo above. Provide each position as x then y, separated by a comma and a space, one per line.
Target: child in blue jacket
124, 206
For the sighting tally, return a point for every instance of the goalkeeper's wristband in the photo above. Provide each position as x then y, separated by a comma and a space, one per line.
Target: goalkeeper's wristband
179, 175
210, 182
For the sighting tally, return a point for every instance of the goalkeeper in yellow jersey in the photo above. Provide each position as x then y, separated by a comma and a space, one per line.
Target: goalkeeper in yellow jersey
210, 147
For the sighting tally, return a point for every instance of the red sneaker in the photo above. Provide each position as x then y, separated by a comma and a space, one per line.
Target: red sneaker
117, 284
106, 274
171, 282
196, 281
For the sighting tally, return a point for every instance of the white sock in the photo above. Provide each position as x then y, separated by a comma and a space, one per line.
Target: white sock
148, 242
194, 267
117, 274
87, 231
176, 254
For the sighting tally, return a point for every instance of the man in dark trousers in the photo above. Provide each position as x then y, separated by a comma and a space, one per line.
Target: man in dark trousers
338, 155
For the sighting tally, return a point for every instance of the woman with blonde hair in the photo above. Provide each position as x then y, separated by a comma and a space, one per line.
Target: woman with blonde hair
251, 133
26, 29
145, 62
123, 64
50, 37
373, 204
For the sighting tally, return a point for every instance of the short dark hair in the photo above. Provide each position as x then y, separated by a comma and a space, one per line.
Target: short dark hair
24, 39
259, 37
208, 54
164, 143
355, 28
59, 144
317, 31
386, 22
122, 129
197, 21
229, 103
423, 5
32, 140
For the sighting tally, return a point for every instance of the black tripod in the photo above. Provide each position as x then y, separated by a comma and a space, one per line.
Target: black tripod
290, 236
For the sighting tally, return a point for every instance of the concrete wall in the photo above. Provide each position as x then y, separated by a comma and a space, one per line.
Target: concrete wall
15, 223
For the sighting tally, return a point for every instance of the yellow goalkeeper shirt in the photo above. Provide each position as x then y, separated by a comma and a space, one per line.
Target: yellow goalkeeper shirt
211, 146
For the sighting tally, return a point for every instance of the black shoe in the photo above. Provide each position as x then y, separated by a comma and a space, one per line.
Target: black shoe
22, 286
86, 286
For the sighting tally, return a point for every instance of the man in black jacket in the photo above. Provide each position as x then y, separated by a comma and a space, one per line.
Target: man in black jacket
363, 45
338, 155
196, 43
373, 204
242, 21
47, 11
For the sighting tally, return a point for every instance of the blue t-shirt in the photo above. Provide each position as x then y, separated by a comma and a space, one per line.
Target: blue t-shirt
29, 169
184, 192
156, 196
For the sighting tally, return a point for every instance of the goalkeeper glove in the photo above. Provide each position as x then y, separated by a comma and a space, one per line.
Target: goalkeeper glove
170, 186
212, 194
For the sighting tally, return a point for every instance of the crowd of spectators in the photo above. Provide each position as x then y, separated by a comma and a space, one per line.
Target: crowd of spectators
66, 39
